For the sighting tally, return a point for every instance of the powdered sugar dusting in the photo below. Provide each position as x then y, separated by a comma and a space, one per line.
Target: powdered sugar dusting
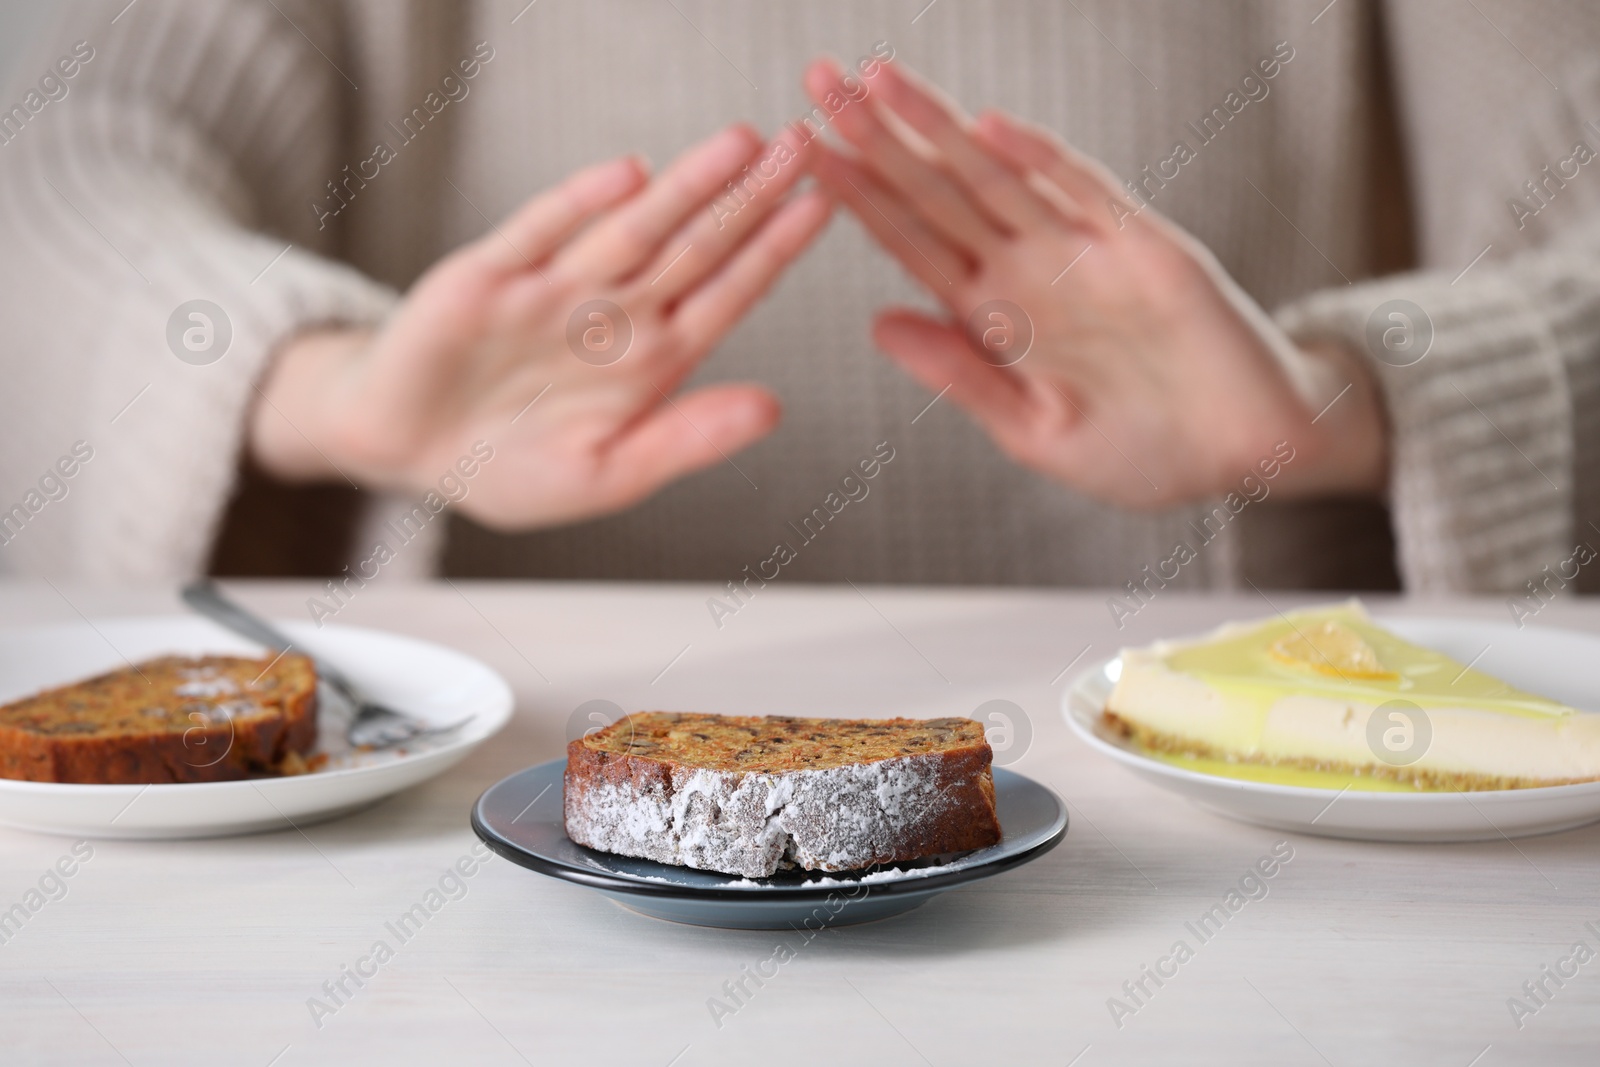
203, 685
891, 874
834, 819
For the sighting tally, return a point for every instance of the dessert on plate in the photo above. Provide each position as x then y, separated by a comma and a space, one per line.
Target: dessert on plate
1328, 689
171, 719
747, 795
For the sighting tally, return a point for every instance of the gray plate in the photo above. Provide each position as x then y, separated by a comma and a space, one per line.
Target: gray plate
520, 819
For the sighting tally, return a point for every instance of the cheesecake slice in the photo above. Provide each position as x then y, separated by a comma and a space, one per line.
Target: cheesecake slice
1329, 690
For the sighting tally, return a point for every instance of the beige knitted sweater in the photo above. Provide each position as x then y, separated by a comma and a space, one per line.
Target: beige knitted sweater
193, 149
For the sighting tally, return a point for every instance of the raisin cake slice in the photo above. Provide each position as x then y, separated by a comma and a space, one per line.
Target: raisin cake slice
171, 719
748, 795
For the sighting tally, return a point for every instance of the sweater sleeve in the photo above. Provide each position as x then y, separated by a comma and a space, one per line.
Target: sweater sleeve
152, 265
1483, 379
1488, 355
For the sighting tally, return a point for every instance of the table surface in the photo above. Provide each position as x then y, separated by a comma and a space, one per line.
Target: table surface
209, 951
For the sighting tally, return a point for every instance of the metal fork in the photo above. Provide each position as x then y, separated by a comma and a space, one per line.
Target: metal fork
373, 726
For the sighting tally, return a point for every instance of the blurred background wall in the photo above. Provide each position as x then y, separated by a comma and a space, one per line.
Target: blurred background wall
20, 22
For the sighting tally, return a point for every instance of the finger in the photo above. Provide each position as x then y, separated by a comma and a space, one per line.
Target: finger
715, 234
685, 434
543, 223
927, 256
994, 186
711, 310
940, 356
1085, 181
940, 202
626, 239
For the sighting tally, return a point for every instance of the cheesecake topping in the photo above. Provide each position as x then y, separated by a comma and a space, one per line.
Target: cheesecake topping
1329, 648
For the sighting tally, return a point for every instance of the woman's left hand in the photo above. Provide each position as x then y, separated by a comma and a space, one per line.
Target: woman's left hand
1100, 345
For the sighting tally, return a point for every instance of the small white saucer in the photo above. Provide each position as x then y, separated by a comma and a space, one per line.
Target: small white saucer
432, 682
1553, 663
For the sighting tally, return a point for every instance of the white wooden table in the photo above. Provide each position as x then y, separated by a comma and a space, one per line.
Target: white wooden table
207, 952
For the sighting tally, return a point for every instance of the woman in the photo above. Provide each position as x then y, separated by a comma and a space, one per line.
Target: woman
295, 166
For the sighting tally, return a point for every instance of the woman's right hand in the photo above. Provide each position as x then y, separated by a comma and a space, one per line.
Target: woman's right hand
500, 342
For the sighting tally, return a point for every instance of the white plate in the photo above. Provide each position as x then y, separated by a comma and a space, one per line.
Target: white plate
429, 681
1553, 663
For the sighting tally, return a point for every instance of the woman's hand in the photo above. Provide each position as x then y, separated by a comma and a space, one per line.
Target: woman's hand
1106, 349
500, 342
